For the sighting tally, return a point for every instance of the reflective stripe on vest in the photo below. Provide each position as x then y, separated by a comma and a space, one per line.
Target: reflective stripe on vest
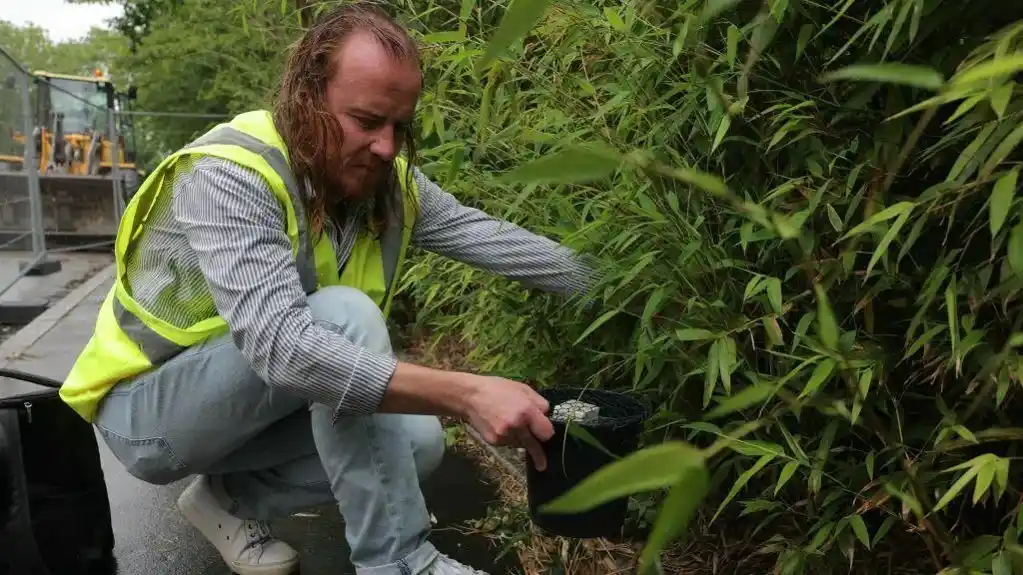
129, 340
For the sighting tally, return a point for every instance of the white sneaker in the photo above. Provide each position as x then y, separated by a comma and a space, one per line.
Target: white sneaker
444, 565
247, 546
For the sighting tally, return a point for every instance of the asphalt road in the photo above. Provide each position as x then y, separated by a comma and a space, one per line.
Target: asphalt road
153, 539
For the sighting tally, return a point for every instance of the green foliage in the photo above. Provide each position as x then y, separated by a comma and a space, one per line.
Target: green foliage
804, 219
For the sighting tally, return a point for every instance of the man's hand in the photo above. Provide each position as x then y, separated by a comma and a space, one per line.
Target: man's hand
507, 412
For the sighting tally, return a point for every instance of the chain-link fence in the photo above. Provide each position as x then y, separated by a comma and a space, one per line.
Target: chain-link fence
21, 224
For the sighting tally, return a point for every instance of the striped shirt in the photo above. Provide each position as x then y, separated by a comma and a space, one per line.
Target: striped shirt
217, 245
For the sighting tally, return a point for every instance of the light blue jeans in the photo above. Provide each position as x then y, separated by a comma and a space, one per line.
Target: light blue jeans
270, 454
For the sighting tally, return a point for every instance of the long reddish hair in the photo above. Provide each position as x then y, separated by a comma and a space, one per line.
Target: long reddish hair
311, 133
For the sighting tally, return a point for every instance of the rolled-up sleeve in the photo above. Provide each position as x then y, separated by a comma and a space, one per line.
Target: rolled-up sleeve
236, 226
448, 228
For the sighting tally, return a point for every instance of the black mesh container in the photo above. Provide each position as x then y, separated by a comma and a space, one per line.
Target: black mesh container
570, 460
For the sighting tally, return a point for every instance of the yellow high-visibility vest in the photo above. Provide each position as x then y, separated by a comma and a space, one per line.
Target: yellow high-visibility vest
128, 340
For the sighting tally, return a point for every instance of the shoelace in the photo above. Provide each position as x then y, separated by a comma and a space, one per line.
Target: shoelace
258, 533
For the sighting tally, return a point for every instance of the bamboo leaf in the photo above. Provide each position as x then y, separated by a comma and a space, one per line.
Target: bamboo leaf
596, 324
996, 68
953, 313
567, 166
860, 529
884, 215
1015, 251
957, 488
836, 221
785, 475
1000, 97
682, 503
615, 19
722, 130
984, 478
648, 469
1001, 198
774, 294
751, 395
1002, 151
820, 374
726, 359
1002, 565
882, 247
742, 481
923, 339
687, 334
827, 327
733, 45
518, 20
892, 73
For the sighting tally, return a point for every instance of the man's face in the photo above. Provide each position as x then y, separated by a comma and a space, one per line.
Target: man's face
374, 98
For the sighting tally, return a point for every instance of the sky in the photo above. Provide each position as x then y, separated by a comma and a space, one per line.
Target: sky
61, 20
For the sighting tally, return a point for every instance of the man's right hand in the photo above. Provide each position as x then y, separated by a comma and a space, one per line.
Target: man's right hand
507, 412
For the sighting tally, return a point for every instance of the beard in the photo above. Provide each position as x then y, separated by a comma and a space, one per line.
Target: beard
355, 180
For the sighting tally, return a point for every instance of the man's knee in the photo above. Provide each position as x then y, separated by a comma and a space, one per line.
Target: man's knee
428, 442
352, 313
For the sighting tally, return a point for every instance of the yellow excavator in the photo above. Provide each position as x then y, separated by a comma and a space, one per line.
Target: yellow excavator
83, 191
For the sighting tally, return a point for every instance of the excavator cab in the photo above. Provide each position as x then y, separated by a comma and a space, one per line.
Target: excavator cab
83, 186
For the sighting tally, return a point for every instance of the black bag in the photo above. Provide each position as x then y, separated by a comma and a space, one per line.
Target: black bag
54, 509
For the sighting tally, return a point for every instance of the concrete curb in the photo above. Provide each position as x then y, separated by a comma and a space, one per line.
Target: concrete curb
25, 337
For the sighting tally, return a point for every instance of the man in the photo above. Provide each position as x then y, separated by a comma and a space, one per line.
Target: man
245, 341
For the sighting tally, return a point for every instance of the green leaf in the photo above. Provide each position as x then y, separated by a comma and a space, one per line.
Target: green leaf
1001, 198
726, 121
833, 217
1015, 250
445, 37
687, 334
518, 20
785, 475
820, 374
774, 294
984, 478
733, 44
615, 19
996, 68
953, 313
884, 215
882, 247
1000, 97
580, 432
1005, 147
892, 73
926, 337
648, 469
751, 395
883, 530
860, 529
726, 359
827, 327
805, 31
679, 507
567, 166
957, 487
596, 324
1002, 565
742, 481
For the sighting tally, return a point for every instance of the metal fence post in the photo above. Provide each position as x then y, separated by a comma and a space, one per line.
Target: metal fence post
115, 163
31, 167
